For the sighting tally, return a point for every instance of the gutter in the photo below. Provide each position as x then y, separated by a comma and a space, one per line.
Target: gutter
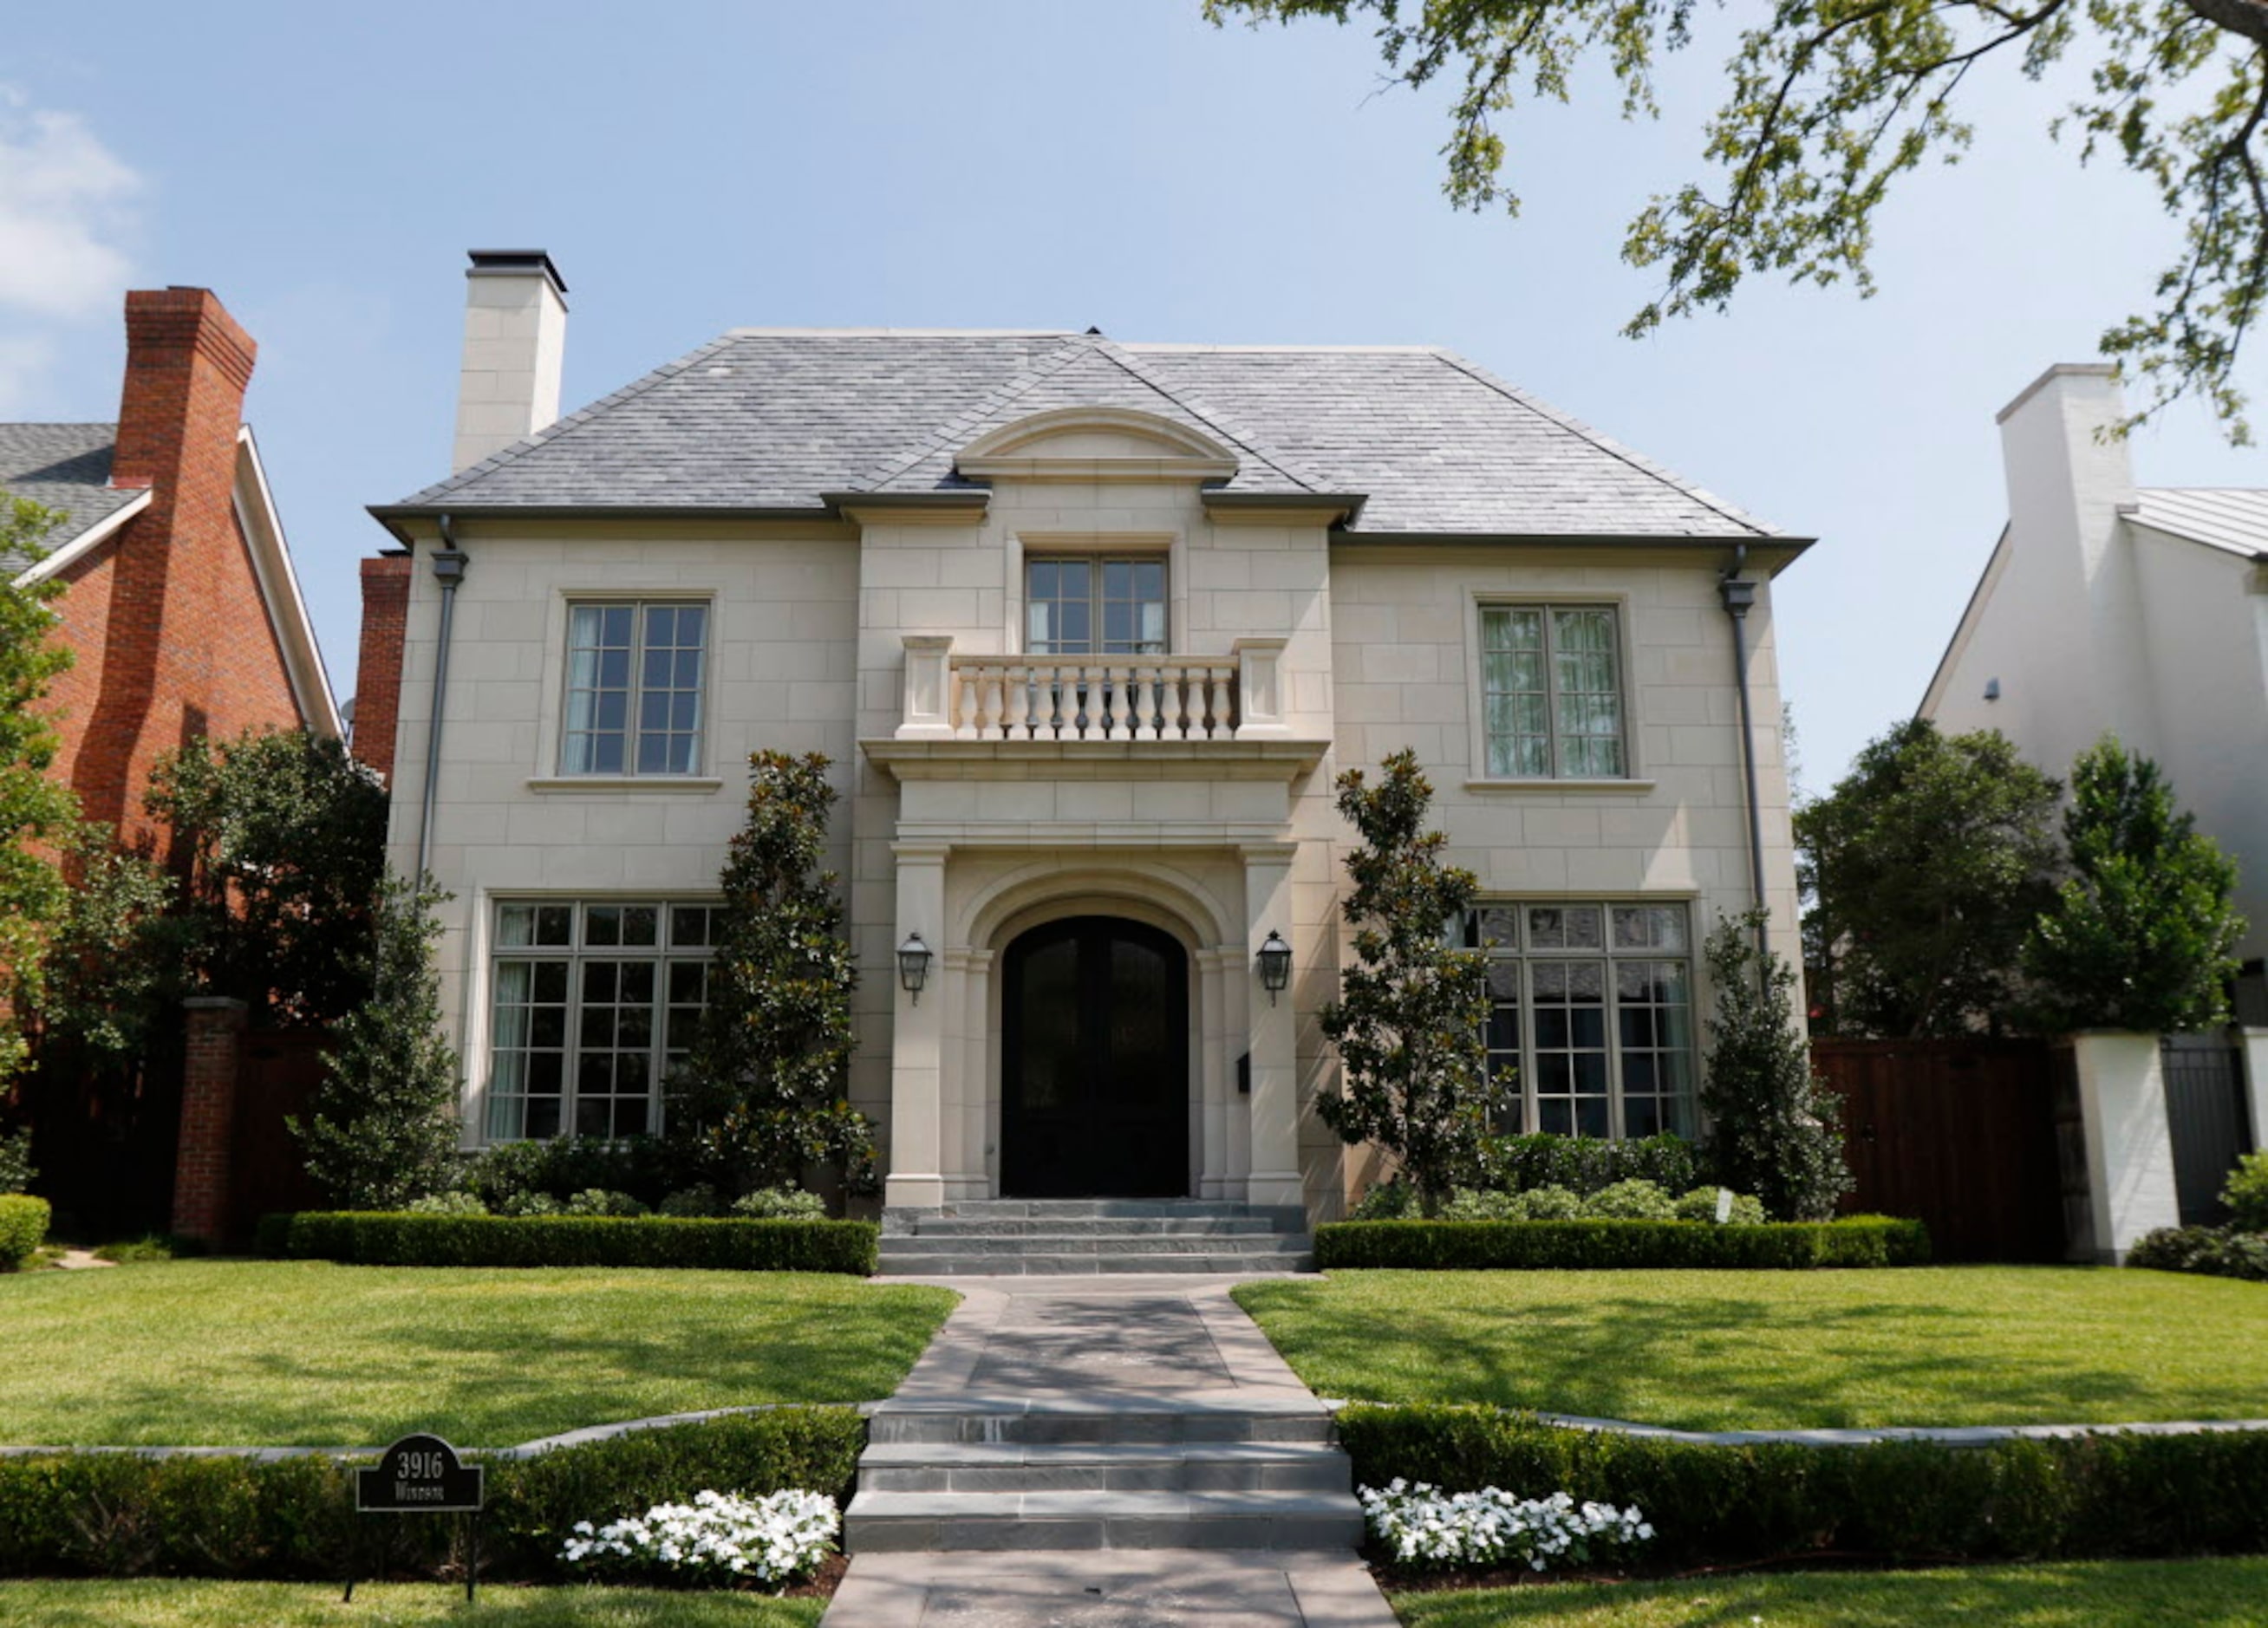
1738, 594
448, 571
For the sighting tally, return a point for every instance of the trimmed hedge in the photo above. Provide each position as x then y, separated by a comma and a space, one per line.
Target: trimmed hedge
2216, 1251
372, 1238
1448, 1246
1584, 1164
2091, 1496
23, 1226
119, 1514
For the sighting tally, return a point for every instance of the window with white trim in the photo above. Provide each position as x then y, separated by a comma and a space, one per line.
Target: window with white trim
1591, 1006
635, 677
1094, 605
592, 1004
1551, 701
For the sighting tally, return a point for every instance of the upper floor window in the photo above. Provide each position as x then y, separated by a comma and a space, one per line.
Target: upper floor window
1094, 605
1591, 1014
593, 1004
634, 686
1551, 692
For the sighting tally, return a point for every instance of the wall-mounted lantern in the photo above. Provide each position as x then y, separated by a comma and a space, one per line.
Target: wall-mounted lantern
913, 965
1274, 965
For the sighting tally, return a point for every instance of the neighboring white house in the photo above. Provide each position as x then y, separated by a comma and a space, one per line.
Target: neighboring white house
1087, 628
2109, 605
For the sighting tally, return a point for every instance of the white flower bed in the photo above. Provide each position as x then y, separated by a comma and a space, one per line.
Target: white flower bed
1425, 1526
777, 1539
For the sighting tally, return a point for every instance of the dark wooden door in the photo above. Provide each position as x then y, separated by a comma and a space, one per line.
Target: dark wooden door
1094, 1097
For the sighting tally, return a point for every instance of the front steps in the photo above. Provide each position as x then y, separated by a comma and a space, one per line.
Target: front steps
1075, 1236
1102, 1472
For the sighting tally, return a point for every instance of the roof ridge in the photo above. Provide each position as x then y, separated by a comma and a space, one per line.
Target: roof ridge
575, 420
955, 429
1229, 428
1605, 443
58, 423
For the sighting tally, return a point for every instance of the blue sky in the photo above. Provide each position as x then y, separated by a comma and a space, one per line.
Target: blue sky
1027, 162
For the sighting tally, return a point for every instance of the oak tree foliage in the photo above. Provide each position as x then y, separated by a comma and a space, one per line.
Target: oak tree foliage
1410, 1020
1826, 103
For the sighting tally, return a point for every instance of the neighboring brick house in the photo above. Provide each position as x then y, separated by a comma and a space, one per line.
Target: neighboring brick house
1087, 628
183, 613
182, 608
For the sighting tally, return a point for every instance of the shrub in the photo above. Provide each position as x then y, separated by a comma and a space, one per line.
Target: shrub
643, 1166
531, 1204
2088, 1496
369, 1238
23, 1227
599, 1201
696, 1200
120, 1515
2216, 1251
1386, 1201
718, 1538
1480, 1204
445, 1203
780, 1204
1774, 1131
2246, 1193
1700, 1204
1630, 1201
271, 1238
1425, 1526
1458, 1246
149, 1247
1585, 1163
16, 1172
1548, 1204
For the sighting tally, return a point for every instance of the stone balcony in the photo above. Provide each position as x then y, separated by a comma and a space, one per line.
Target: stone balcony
1173, 701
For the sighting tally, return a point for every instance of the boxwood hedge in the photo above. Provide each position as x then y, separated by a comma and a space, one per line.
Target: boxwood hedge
23, 1226
2101, 1494
370, 1238
122, 1514
1441, 1246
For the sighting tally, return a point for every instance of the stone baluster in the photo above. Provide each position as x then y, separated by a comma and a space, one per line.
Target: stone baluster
1223, 723
1019, 702
1145, 701
1169, 698
992, 700
964, 704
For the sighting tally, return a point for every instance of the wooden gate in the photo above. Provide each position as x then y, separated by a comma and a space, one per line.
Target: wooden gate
2206, 1116
1958, 1133
276, 1074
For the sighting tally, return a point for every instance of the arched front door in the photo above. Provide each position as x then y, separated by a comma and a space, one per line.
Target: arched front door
1094, 1101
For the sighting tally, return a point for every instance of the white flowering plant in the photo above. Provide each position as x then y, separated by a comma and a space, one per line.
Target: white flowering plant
1425, 1526
779, 1539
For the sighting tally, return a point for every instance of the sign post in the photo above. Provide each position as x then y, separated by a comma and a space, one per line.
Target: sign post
422, 1476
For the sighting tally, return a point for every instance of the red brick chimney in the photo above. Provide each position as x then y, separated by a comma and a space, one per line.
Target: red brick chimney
378, 674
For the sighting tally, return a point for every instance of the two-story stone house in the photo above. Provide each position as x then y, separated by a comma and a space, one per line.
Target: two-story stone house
1087, 628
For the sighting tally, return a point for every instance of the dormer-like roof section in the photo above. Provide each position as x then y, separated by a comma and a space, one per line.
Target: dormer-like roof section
1416, 441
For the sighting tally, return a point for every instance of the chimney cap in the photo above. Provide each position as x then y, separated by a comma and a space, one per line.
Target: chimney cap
515, 262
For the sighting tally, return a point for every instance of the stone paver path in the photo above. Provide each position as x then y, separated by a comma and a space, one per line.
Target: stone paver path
1135, 1441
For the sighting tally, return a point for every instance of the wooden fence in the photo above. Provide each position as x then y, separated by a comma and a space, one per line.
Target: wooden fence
1959, 1133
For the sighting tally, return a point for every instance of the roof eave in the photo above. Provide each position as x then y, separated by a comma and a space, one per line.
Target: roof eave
1784, 548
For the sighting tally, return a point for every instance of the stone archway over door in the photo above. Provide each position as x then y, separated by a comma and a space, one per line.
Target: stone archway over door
1094, 1090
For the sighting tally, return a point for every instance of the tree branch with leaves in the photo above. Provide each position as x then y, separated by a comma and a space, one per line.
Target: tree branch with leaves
1828, 103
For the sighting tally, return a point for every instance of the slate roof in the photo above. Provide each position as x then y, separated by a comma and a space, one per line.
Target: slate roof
766, 419
64, 466
2233, 518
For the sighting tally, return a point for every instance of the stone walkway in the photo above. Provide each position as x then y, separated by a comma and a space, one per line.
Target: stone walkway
1138, 1444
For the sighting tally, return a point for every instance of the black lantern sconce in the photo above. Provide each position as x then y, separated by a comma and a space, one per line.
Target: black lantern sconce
1274, 965
913, 965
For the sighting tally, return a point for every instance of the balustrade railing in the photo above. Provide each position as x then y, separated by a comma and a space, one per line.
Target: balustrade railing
1093, 698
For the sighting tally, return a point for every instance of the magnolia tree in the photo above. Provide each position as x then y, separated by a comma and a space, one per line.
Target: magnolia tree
1409, 1018
1773, 1129
761, 1097
384, 1129
2139, 934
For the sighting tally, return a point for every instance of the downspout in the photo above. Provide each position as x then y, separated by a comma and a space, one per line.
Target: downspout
1737, 593
448, 571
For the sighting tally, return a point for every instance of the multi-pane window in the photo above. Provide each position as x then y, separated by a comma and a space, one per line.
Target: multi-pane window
1551, 692
634, 684
1591, 1006
594, 1004
1094, 605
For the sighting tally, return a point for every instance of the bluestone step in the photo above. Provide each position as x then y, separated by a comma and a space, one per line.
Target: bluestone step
1100, 1467
880, 1522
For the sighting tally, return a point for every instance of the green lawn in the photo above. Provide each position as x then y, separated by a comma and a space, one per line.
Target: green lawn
305, 1353
175, 1603
2128, 1594
1723, 1350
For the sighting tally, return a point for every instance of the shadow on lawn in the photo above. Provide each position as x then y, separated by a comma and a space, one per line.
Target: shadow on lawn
1695, 1364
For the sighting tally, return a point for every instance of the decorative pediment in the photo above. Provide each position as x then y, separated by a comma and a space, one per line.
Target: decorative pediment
1096, 444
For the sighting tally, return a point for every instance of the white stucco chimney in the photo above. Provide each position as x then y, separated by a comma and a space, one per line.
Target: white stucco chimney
2071, 556
515, 337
